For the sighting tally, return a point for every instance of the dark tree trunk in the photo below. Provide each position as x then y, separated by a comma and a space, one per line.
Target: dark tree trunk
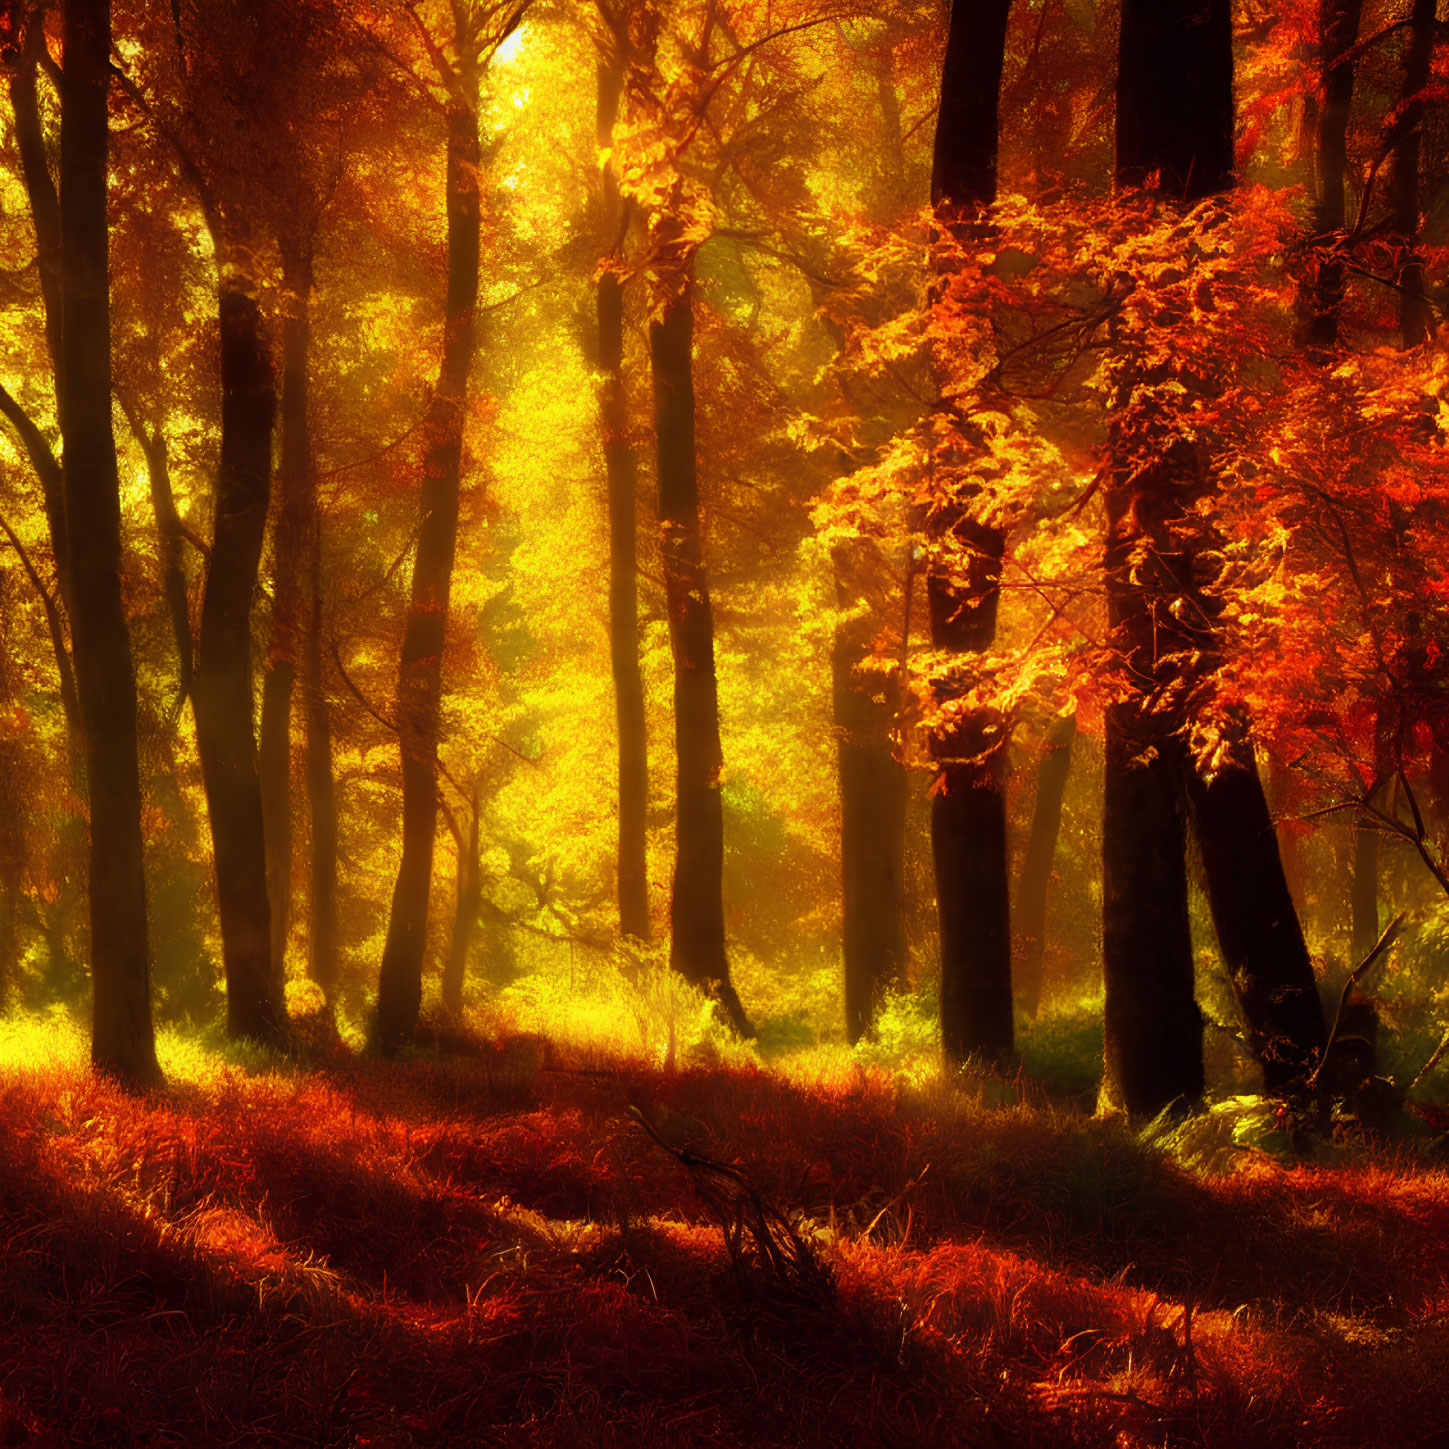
122, 1040
171, 536
222, 687
45, 215
696, 914
1257, 925
1363, 898
872, 798
321, 785
39, 187
1175, 96
13, 795
1416, 317
1338, 23
968, 808
622, 467
1036, 867
465, 915
1174, 120
420, 673
293, 521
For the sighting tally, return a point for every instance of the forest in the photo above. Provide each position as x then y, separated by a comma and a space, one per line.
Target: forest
724, 723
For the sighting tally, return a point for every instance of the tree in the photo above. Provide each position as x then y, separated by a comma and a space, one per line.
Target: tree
1174, 125
1175, 130
477, 32
1036, 867
968, 809
696, 911
622, 466
123, 1042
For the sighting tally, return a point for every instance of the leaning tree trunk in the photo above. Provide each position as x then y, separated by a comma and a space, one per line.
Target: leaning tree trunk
872, 798
1036, 868
420, 672
622, 467
697, 941
1256, 922
222, 686
968, 807
122, 1041
170, 536
292, 524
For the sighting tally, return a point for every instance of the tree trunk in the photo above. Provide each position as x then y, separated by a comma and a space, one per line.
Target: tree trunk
968, 806
622, 468
696, 914
123, 1041
420, 672
321, 786
1257, 925
1036, 867
222, 686
293, 522
1174, 121
1338, 23
465, 915
173, 567
1364, 892
872, 799
39, 187
1416, 316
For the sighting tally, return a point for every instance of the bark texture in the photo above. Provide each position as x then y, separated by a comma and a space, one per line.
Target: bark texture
122, 1041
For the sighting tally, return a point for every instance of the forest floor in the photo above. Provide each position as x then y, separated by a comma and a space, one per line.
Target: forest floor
486, 1246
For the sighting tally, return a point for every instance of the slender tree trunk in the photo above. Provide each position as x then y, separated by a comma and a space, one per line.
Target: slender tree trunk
171, 537
12, 825
420, 673
968, 807
122, 1040
465, 915
1036, 867
39, 187
321, 785
1174, 122
1363, 898
45, 216
621, 464
222, 686
872, 800
697, 941
293, 521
